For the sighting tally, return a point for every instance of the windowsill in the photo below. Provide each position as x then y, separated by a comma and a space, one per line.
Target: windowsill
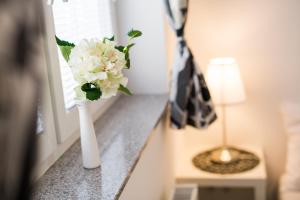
122, 133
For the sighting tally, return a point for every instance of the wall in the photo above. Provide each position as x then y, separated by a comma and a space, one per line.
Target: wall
148, 57
153, 177
264, 37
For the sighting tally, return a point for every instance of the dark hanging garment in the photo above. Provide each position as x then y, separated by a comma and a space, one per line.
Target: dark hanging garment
20, 80
190, 99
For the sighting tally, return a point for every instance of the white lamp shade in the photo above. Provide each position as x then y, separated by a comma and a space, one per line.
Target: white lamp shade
224, 81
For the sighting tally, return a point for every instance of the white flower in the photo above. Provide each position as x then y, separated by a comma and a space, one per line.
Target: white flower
90, 77
98, 62
110, 86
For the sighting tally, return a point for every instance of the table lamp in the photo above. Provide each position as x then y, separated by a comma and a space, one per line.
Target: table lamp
226, 88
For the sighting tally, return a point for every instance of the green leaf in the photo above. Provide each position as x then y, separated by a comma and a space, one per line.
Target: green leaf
130, 45
125, 90
66, 51
65, 48
134, 33
127, 55
87, 86
63, 42
126, 51
92, 92
120, 48
128, 63
110, 39
127, 48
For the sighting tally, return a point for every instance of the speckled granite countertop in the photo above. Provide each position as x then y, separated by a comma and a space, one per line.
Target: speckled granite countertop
122, 133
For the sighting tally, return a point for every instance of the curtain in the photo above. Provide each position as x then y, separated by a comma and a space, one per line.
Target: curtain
190, 99
20, 80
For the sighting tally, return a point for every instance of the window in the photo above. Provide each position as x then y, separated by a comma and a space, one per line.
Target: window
73, 21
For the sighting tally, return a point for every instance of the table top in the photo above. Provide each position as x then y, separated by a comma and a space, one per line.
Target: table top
186, 172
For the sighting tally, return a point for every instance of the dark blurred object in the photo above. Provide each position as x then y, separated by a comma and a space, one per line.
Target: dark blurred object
20, 79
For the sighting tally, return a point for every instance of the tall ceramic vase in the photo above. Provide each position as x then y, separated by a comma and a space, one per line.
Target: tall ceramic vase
89, 145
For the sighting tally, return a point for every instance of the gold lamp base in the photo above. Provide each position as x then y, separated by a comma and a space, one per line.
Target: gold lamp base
225, 160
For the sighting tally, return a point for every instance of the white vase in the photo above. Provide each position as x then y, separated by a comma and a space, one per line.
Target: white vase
89, 145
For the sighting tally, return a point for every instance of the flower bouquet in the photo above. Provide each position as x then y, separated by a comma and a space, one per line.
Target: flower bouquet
97, 67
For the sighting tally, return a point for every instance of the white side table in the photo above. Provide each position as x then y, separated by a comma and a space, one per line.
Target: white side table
187, 173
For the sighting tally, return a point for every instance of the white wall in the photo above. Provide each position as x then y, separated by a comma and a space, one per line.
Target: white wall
148, 57
153, 177
264, 37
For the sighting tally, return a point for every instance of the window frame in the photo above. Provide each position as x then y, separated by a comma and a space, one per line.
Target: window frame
46, 139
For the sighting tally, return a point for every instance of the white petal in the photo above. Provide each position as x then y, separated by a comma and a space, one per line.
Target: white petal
101, 75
